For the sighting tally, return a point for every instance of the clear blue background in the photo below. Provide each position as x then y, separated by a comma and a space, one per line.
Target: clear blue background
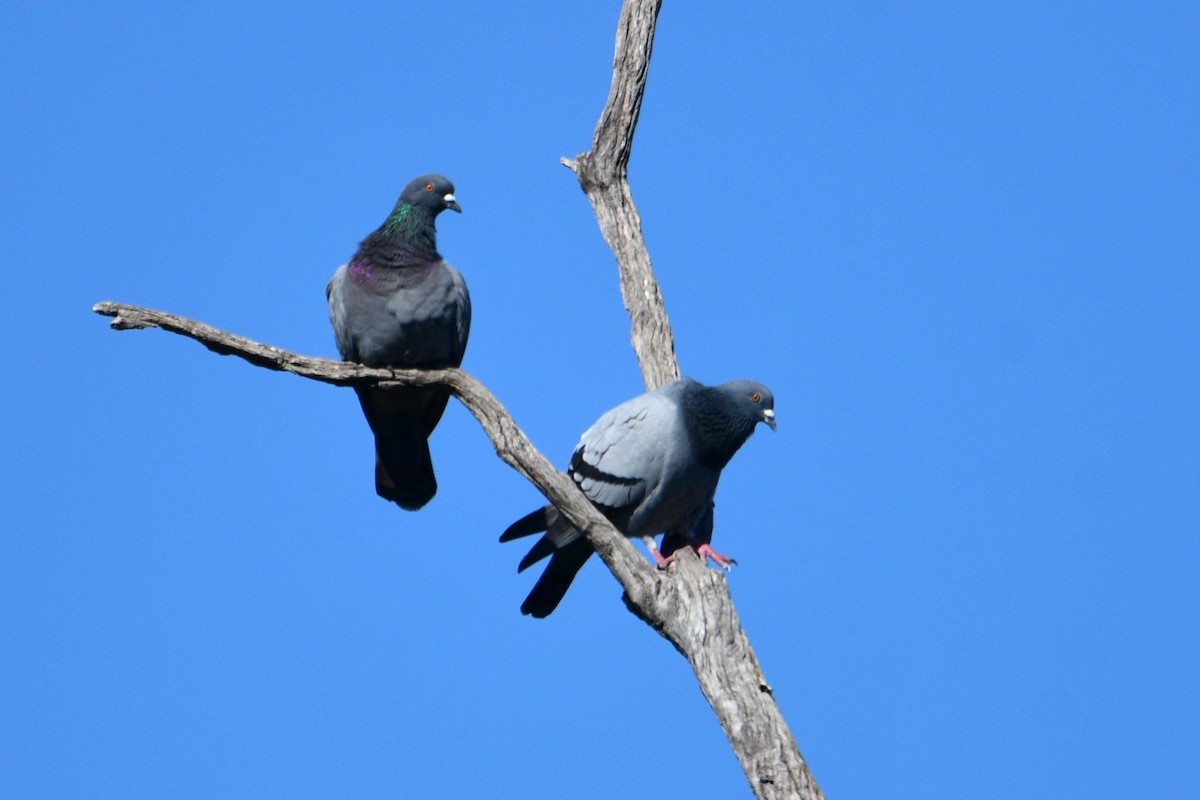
960, 242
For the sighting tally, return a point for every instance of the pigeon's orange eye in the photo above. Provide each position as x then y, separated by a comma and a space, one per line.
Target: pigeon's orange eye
429, 187
756, 397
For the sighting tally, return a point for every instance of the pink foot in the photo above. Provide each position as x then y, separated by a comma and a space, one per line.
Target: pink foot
659, 561
706, 554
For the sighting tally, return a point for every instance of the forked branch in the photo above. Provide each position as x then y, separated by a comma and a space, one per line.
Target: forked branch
697, 614
688, 604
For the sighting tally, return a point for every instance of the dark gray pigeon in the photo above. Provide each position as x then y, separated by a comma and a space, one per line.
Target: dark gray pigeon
398, 304
650, 465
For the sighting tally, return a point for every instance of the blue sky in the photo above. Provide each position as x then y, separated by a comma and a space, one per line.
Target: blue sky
960, 243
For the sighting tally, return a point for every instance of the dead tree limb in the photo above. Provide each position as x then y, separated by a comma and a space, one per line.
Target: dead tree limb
696, 615
689, 604
602, 174
511, 444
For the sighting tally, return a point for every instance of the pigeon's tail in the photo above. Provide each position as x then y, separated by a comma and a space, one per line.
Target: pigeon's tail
566, 557
543, 548
528, 525
550, 588
404, 472
401, 422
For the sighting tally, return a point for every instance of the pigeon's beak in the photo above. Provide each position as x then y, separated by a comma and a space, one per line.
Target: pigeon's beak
451, 203
769, 417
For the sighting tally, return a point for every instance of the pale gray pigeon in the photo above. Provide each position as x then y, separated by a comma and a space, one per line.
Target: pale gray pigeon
398, 304
651, 466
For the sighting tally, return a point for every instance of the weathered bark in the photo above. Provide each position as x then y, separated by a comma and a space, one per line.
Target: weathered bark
688, 604
602, 174
696, 614
511, 444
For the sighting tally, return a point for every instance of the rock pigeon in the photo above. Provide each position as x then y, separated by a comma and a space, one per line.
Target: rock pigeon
651, 466
398, 304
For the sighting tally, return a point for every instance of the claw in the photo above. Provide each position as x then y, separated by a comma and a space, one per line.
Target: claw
707, 554
659, 561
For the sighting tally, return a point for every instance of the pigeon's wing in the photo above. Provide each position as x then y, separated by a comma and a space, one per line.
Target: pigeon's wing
620, 460
339, 316
460, 315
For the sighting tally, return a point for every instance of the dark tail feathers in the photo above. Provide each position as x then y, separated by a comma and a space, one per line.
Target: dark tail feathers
404, 471
565, 561
528, 525
402, 421
550, 588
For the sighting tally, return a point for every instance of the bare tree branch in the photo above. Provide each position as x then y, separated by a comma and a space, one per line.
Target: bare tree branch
602, 174
697, 614
688, 604
511, 444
